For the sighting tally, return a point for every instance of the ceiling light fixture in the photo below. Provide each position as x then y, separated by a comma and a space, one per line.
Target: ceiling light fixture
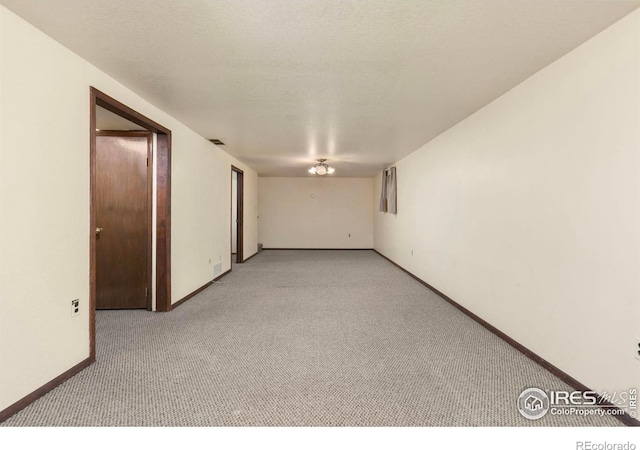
322, 168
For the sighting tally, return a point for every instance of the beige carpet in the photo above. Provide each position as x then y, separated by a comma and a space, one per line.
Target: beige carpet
291, 338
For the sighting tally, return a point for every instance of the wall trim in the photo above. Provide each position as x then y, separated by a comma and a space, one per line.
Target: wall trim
222, 275
35, 395
197, 291
293, 248
625, 418
191, 295
247, 259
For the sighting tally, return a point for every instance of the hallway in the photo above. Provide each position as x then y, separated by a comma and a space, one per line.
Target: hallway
300, 338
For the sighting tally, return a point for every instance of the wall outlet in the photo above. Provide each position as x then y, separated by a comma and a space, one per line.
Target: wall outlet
637, 349
411, 252
217, 269
75, 307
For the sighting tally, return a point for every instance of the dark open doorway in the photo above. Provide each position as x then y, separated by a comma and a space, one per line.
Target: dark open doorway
163, 204
237, 214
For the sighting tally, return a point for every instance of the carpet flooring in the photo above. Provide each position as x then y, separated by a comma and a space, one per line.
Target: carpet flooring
300, 338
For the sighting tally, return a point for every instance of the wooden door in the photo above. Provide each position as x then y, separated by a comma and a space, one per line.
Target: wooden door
123, 219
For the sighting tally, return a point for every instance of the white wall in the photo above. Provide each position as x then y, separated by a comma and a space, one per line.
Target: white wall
315, 212
527, 213
250, 217
44, 205
201, 212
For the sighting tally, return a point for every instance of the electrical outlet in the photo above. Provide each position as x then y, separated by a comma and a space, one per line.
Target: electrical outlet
411, 252
75, 307
637, 349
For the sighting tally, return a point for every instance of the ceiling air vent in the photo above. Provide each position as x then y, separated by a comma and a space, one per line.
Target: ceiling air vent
217, 141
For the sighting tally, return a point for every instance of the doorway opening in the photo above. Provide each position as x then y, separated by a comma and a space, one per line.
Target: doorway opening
161, 228
237, 215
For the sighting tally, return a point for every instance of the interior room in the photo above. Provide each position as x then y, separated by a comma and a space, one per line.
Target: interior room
321, 213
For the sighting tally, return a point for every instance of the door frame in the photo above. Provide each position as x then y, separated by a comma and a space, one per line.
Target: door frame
239, 214
163, 204
149, 135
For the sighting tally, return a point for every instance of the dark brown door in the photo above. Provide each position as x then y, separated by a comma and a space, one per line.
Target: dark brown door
122, 219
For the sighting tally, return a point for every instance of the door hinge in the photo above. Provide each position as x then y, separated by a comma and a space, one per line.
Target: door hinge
146, 292
147, 162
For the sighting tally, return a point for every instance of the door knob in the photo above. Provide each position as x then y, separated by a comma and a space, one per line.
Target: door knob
98, 230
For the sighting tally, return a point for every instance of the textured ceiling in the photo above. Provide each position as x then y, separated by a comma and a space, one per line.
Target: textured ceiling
282, 82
